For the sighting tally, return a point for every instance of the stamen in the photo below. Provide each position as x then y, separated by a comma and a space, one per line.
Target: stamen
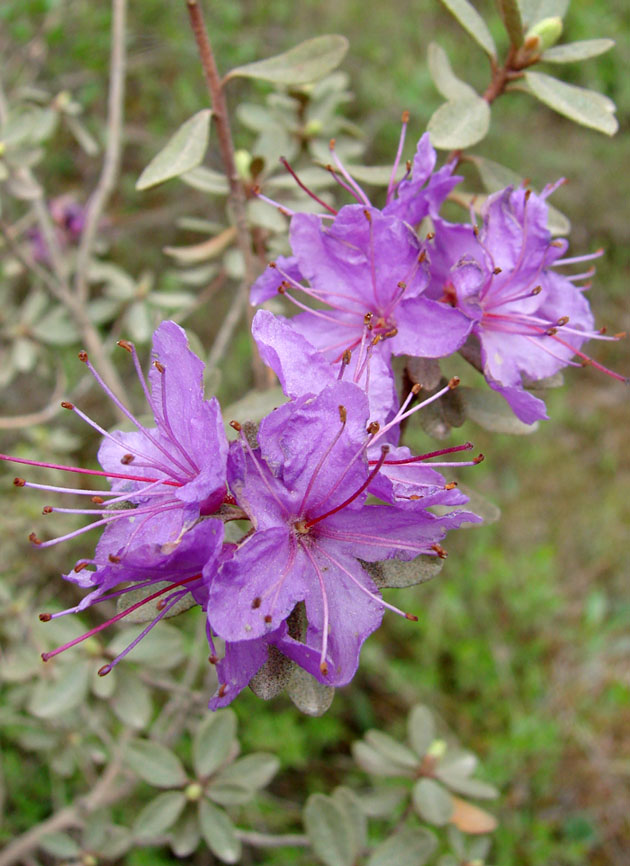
361, 196
323, 665
343, 417
82, 471
305, 188
397, 158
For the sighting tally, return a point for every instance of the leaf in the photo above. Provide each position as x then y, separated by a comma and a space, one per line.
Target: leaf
117, 843
372, 761
213, 742
252, 407
583, 106
411, 846
154, 763
329, 831
473, 24
382, 802
185, 835
159, 815
53, 698
356, 821
310, 696
511, 15
204, 251
206, 180
492, 412
573, 51
420, 729
59, 845
467, 787
535, 10
184, 151
255, 770
229, 793
218, 831
273, 676
480, 505
445, 80
163, 647
132, 699
304, 63
432, 802
398, 573
472, 819
150, 610
459, 123
398, 754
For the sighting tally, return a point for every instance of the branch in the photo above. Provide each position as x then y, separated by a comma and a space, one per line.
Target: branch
113, 147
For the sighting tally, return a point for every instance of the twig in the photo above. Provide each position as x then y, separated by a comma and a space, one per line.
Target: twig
113, 148
267, 840
237, 197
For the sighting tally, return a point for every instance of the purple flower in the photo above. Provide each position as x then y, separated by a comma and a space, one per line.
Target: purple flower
530, 320
304, 489
370, 271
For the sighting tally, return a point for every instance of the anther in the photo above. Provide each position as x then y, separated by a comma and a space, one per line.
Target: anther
405, 117
45, 617
159, 367
102, 672
562, 321
528, 193
439, 550
126, 459
66, 405
272, 265
80, 566
478, 459
620, 335
236, 426
408, 165
268, 618
281, 288
422, 257
97, 500
256, 602
475, 231
126, 345
47, 509
367, 215
368, 318
324, 668
343, 414
537, 290
412, 617
19, 482
430, 236
602, 330
346, 357
34, 539
416, 388
497, 271
213, 659
222, 689
401, 284
451, 485
373, 427
331, 144
391, 333
113, 558
83, 356
551, 332
454, 382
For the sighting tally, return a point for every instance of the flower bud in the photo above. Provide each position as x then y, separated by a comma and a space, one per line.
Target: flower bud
437, 749
193, 792
543, 34
242, 160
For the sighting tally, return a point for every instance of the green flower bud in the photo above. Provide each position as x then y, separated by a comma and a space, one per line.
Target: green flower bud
193, 792
436, 749
543, 34
242, 160
313, 127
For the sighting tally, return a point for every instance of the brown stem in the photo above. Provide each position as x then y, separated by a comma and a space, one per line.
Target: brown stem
237, 196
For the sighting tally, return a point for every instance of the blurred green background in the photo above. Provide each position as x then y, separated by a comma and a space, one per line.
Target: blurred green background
523, 644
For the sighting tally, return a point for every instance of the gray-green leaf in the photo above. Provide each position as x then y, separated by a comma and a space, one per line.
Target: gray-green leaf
473, 23
573, 51
59, 845
448, 84
154, 763
150, 610
583, 106
356, 819
304, 63
50, 699
432, 802
329, 831
310, 696
159, 815
534, 11
184, 151
186, 834
459, 123
132, 699
411, 846
420, 729
490, 411
213, 742
255, 770
218, 831
399, 574
400, 756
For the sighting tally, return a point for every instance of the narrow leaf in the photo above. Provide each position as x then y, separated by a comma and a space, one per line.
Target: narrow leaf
305, 62
159, 815
490, 411
411, 846
254, 771
432, 802
473, 23
185, 836
51, 699
310, 696
184, 151
448, 84
213, 742
399, 755
533, 11
218, 831
472, 819
154, 763
572, 51
356, 821
421, 729
578, 104
328, 831
372, 761
511, 15
459, 123
59, 844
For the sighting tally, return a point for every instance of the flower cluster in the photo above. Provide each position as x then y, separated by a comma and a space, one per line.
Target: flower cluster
323, 485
